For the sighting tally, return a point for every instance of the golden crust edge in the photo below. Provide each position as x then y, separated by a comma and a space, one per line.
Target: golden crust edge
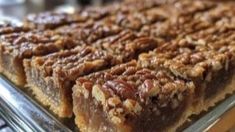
63, 111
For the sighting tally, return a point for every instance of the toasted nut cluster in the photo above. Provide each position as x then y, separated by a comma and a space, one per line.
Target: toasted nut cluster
51, 20
132, 106
114, 101
99, 94
73, 63
89, 32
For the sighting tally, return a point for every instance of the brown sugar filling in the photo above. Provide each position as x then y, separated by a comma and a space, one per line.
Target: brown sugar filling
13, 68
152, 121
218, 83
92, 115
48, 87
49, 93
94, 118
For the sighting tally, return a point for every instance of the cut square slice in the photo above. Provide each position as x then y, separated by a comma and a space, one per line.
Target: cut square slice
130, 98
51, 77
18, 46
209, 65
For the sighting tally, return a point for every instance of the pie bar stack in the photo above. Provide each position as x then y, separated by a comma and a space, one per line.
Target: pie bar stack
136, 65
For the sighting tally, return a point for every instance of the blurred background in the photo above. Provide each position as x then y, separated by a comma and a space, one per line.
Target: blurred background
19, 8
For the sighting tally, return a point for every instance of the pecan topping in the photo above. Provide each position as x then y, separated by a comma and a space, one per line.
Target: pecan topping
149, 88
99, 94
121, 87
132, 106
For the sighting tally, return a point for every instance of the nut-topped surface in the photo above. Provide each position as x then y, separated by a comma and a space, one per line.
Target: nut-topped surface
182, 19
71, 64
54, 19
35, 43
89, 32
126, 45
112, 25
188, 59
136, 20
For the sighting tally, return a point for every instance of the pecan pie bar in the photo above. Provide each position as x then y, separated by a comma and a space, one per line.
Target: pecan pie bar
51, 77
130, 98
17, 46
211, 70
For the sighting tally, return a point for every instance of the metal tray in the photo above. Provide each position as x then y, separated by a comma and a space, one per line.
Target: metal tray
22, 113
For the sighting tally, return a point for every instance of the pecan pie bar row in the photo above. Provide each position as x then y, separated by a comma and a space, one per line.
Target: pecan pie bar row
132, 15
130, 98
111, 25
15, 47
163, 22
146, 22
51, 77
92, 32
54, 19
